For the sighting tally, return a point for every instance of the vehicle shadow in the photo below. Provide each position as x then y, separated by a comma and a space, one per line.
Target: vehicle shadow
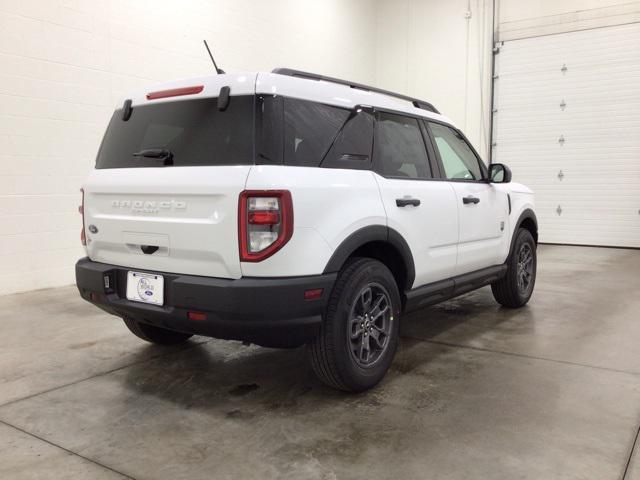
462, 319
241, 382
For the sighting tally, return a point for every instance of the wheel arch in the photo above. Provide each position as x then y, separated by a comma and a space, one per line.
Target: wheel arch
528, 220
381, 243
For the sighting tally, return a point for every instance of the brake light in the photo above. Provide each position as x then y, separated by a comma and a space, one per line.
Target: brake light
83, 236
264, 218
265, 223
175, 92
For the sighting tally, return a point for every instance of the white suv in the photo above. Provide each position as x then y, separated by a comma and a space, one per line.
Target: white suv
288, 208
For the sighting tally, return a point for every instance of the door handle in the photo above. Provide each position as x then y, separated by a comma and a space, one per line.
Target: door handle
403, 202
470, 199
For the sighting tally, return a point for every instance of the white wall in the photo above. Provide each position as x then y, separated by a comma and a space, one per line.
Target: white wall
431, 50
64, 64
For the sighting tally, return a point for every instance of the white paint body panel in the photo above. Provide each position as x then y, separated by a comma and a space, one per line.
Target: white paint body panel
599, 192
191, 213
336, 94
430, 229
482, 226
329, 205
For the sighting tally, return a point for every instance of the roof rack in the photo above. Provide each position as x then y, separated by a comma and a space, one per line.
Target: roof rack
313, 76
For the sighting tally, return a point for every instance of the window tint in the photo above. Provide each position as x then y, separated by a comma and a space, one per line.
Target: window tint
309, 130
399, 148
458, 159
270, 110
195, 132
352, 147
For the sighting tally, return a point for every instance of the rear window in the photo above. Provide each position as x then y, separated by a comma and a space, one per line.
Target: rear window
310, 134
310, 128
193, 132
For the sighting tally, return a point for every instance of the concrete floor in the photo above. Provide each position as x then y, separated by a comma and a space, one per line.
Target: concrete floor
476, 391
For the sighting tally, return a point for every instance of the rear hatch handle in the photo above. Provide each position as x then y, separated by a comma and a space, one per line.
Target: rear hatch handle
149, 249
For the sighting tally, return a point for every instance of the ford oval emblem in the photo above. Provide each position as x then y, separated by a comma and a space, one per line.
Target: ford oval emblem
93, 229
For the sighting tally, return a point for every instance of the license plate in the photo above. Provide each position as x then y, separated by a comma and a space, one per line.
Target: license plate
145, 287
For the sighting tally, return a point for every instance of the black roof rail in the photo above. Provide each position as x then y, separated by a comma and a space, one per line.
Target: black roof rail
314, 76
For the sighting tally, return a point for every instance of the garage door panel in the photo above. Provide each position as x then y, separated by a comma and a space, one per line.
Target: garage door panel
596, 92
573, 134
587, 48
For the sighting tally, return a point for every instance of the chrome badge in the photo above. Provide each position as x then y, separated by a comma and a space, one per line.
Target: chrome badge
149, 206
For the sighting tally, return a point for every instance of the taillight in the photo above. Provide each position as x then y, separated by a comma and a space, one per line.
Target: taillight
83, 237
265, 223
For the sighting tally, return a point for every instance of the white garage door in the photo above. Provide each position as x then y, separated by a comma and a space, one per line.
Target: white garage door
567, 122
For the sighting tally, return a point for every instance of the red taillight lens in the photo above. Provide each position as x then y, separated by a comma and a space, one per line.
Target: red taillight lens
196, 316
313, 294
83, 237
264, 218
265, 223
175, 92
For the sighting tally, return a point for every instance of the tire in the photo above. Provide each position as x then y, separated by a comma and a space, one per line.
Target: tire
515, 288
157, 335
353, 352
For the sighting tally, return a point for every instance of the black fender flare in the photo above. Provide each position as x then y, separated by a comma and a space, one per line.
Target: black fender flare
373, 233
527, 213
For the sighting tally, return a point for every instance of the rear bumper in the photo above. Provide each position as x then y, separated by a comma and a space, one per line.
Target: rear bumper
265, 311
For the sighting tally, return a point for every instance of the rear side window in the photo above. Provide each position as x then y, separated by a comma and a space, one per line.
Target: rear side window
195, 133
352, 147
310, 129
399, 149
458, 160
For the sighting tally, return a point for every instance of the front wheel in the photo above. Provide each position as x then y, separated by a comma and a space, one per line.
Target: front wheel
359, 334
515, 288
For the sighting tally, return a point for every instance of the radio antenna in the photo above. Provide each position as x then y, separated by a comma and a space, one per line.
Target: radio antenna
218, 70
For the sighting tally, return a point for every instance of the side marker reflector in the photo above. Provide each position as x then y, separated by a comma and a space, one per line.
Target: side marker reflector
197, 316
313, 294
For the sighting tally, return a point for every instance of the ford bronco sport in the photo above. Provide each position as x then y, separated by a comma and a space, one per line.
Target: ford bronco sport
288, 208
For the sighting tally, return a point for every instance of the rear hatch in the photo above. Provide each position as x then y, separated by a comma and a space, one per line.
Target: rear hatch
164, 193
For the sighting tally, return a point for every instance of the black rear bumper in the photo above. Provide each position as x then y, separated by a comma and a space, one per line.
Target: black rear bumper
265, 311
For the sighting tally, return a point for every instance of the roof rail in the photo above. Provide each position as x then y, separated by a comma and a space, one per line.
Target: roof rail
313, 76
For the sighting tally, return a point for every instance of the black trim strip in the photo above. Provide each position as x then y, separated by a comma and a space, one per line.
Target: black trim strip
369, 234
436, 292
526, 214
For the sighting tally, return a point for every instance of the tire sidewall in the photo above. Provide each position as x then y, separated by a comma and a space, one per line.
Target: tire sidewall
360, 377
524, 236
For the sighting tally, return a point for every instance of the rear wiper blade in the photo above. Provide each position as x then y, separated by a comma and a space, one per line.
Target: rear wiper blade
159, 153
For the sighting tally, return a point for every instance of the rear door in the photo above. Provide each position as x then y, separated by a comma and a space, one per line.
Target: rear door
164, 194
483, 210
421, 209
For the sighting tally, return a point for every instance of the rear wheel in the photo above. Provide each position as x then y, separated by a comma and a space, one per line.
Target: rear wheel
152, 334
515, 288
359, 334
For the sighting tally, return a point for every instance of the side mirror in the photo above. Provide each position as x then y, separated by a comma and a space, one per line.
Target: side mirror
499, 173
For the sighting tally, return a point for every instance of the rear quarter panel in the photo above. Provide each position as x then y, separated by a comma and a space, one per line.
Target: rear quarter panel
328, 205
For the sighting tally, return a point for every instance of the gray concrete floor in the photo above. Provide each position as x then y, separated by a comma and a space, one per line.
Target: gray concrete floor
476, 391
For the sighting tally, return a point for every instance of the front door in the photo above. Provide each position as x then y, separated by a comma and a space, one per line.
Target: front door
483, 210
